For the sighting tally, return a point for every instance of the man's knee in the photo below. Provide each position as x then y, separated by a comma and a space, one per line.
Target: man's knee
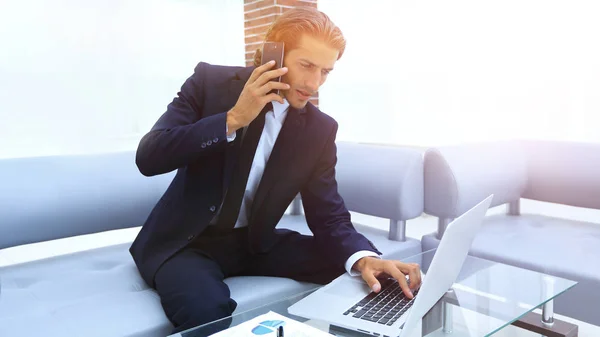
196, 311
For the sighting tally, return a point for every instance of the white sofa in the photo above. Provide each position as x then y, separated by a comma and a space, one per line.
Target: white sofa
99, 292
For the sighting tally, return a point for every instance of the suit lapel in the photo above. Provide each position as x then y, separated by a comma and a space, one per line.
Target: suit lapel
283, 154
284, 149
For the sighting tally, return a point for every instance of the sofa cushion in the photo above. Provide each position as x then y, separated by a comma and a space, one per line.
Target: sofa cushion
379, 237
254, 291
559, 247
91, 293
556, 246
100, 293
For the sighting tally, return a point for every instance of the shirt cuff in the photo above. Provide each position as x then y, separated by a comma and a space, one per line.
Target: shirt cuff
355, 257
229, 138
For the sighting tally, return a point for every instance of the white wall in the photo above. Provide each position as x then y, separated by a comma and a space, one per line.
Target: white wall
93, 76
438, 72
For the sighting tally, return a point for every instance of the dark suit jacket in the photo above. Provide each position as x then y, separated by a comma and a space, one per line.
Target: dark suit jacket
190, 137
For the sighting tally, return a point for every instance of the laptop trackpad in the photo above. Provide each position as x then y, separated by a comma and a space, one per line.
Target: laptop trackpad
349, 287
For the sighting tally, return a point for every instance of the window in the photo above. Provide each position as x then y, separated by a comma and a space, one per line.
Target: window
435, 73
81, 77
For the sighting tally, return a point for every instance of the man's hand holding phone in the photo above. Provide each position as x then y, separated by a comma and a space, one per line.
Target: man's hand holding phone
255, 96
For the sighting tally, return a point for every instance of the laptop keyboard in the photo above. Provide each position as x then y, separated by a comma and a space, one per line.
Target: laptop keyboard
384, 307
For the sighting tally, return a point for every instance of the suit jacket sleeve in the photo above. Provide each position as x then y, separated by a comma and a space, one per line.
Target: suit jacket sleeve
182, 134
326, 214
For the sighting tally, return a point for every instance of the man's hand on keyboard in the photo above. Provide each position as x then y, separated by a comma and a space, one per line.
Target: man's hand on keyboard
371, 268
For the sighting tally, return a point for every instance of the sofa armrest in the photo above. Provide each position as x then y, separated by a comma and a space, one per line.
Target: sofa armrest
379, 180
458, 177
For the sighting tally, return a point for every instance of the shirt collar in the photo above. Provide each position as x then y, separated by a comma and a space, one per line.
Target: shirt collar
279, 109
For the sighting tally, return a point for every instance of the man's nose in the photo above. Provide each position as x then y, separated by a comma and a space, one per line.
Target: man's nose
313, 82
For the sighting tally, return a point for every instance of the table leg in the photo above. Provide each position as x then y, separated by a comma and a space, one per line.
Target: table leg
447, 319
440, 316
548, 313
546, 324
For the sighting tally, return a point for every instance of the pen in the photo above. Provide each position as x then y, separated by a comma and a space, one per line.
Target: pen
280, 331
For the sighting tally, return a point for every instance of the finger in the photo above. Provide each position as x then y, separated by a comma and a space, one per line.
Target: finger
274, 97
413, 271
392, 270
260, 70
405, 288
272, 85
418, 273
371, 280
269, 75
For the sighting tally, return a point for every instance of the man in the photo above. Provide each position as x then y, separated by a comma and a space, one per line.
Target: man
242, 155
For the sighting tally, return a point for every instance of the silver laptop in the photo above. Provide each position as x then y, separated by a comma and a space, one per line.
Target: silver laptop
348, 302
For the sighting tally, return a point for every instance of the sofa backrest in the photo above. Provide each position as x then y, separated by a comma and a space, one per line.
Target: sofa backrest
47, 198
563, 172
380, 180
459, 177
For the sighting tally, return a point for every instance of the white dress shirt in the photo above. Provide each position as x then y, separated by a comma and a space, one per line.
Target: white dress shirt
273, 122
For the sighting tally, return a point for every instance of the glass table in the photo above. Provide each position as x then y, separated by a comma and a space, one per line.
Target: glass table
488, 298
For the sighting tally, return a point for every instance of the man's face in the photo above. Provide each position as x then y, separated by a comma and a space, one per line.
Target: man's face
308, 66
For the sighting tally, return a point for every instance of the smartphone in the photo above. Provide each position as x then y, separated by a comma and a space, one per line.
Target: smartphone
273, 51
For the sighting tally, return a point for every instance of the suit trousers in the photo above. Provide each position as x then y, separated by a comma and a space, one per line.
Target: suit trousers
190, 284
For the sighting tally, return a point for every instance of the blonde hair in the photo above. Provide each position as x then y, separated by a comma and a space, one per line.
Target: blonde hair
288, 28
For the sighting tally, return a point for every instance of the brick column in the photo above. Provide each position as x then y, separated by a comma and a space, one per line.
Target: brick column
258, 15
